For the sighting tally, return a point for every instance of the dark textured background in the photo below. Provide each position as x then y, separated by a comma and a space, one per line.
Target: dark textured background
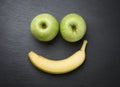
102, 65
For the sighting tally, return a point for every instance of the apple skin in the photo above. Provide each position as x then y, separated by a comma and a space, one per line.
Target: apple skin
44, 27
72, 27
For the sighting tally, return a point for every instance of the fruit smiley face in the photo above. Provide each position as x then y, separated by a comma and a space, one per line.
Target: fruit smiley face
45, 27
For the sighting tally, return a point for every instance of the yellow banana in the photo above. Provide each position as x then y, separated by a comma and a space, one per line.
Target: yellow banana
59, 66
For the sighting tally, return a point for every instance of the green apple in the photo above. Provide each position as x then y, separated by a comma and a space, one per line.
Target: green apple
72, 27
44, 27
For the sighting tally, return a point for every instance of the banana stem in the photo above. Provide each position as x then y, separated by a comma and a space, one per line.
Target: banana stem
84, 45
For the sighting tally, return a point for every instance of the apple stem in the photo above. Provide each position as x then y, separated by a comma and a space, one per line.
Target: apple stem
84, 45
73, 28
44, 26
